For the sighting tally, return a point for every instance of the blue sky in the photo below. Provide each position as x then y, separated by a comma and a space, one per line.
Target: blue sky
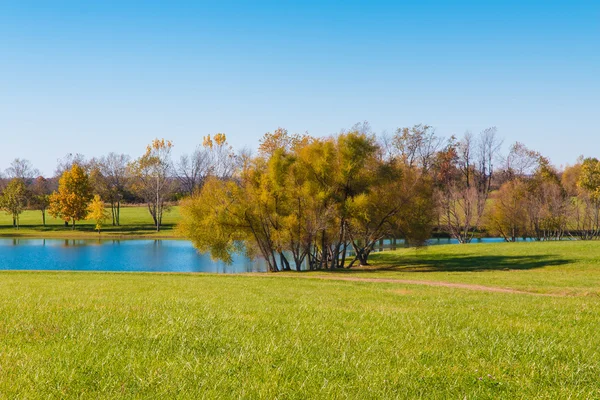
94, 77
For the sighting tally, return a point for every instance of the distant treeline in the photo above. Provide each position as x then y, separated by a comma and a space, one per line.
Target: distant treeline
302, 199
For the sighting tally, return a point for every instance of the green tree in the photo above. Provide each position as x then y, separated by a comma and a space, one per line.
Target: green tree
74, 193
14, 199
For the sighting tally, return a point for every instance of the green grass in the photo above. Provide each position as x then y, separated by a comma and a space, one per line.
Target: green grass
567, 267
109, 335
135, 222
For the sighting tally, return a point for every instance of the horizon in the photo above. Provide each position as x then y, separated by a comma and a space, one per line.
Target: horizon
96, 78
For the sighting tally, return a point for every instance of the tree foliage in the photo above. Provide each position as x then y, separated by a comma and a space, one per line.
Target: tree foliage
306, 201
14, 199
97, 212
74, 193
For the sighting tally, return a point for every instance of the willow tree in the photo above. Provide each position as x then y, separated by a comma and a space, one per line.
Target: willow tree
296, 202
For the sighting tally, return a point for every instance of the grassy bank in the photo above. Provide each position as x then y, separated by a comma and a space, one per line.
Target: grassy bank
136, 222
90, 335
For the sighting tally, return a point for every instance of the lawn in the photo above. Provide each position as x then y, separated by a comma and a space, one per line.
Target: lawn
136, 335
136, 221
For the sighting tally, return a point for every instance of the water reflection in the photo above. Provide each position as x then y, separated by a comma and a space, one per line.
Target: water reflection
114, 255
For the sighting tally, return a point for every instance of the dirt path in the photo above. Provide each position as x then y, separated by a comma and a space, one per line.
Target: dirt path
467, 286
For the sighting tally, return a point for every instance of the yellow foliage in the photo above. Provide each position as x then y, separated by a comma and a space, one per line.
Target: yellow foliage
97, 212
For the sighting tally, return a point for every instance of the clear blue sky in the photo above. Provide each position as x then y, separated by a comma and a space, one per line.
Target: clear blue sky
99, 76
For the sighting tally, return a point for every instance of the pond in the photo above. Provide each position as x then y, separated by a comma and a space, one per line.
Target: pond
143, 255
114, 255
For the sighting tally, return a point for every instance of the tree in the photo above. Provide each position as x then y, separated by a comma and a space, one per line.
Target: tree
21, 169
582, 184
467, 172
97, 212
67, 162
417, 146
14, 199
40, 196
547, 203
109, 176
222, 159
308, 199
151, 174
74, 193
193, 170
507, 216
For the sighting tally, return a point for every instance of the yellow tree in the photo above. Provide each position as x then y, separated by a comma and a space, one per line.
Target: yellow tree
97, 212
74, 193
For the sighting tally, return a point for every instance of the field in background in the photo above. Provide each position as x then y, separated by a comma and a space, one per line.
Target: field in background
135, 222
301, 336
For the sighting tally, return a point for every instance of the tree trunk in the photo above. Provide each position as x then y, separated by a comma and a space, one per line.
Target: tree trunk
44, 217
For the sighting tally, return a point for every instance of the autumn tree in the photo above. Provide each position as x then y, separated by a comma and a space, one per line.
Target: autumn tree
74, 193
582, 184
152, 180
507, 215
14, 199
301, 201
97, 212
547, 203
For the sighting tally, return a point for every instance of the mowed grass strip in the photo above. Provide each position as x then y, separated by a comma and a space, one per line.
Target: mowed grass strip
90, 335
136, 221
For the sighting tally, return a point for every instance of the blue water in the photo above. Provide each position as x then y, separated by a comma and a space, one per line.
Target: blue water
114, 255
131, 255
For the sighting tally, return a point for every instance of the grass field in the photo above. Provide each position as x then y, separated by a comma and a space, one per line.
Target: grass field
90, 335
135, 222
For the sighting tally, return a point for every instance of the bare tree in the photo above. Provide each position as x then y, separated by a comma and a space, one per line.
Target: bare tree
22, 169
467, 185
65, 163
417, 146
193, 170
110, 177
152, 180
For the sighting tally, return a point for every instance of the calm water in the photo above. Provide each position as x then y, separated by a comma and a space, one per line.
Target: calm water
114, 255
129, 255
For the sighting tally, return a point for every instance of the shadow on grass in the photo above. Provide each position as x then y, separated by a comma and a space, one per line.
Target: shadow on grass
390, 261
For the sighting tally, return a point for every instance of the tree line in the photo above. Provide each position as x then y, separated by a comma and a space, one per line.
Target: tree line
96, 188
303, 200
